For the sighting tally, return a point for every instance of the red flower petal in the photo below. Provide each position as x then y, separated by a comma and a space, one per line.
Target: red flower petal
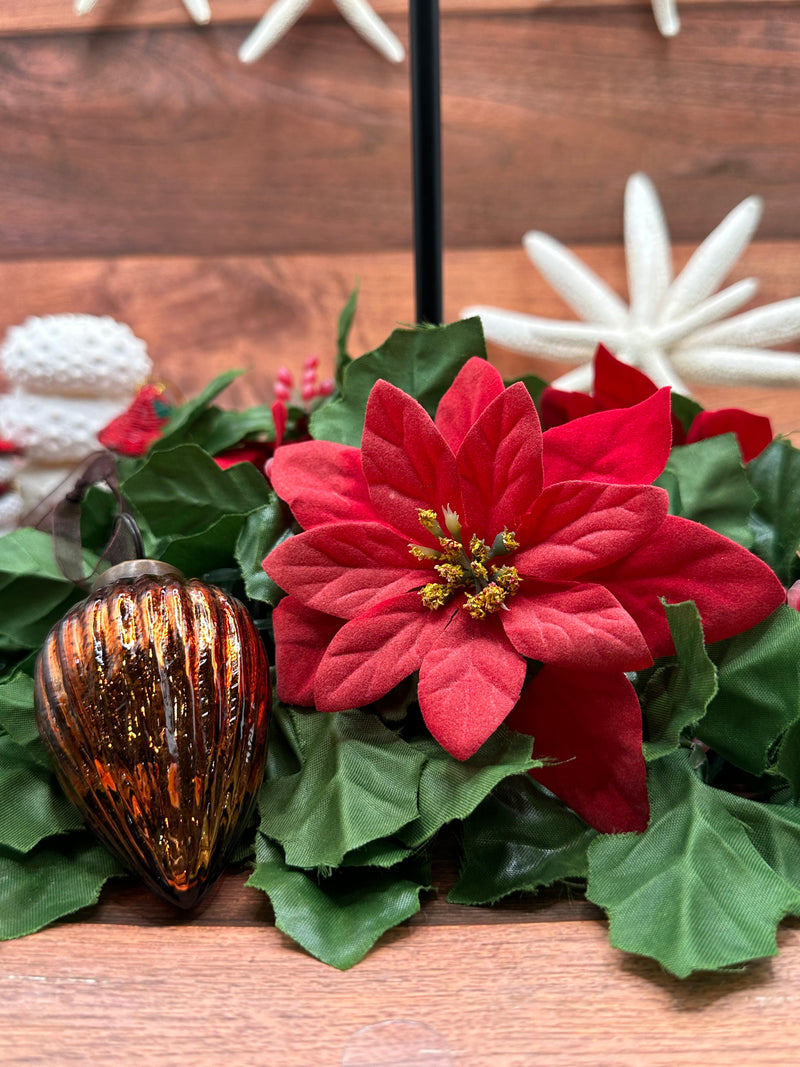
579, 625
500, 463
474, 388
683, 560
255, 452
617, 384
345, 568
577, 527
558, 406
753, 432
468, 682
301, 638
321, 482
593, 722
406, 461
629, 445
375, 651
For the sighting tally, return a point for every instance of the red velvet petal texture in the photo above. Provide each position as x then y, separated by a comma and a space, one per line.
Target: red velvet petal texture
580, 626
321, 482
617, 384
469, 681
500, 463
558, 406
630, 445
577, 527
594, 722
406, 461
733, 589
345, 568
301, 639
753, 432
372, 653
473, 389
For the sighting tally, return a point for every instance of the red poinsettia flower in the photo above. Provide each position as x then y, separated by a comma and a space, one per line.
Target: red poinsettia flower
618, 385
466, 547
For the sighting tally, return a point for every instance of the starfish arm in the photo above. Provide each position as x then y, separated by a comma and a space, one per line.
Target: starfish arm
714, 258
578, 380
281, 17
655, 363
586, 294
572, 342
772, 324
667, 20
372, 28
647, 249
199, 10
739, 366
709, 311
83, 7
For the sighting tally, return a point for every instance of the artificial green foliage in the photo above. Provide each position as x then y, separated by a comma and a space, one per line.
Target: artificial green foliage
262, 531
343, 358
422, 362
759, 691
676, 694
684, 409
706, 482
519, 839
32, 806
775, 477
338, 917
56, 879
692, 891
193, 421
17, 714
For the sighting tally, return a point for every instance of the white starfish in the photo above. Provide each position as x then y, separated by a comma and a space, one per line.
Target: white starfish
284, 13
666, 13
672, 327
198, 9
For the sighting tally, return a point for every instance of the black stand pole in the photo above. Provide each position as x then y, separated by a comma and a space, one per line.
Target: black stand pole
426, 132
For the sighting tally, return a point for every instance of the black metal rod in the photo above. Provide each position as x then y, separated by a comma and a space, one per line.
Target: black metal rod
426, 136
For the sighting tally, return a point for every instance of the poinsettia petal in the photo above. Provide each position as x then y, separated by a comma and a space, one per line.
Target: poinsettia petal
473, 389
753, 432
733, 590
625, 445
301, 639
344, 568
406, 461
321, 482
577, 625
577, 527
468, 682
593, 723
618, 384
500, 463
558, 406
374, 652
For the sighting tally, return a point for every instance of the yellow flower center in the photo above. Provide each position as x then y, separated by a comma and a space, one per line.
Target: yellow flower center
487, 585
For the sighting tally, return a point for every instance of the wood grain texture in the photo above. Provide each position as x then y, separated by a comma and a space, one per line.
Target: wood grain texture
151, 141
202, 316
25, 16
523, 996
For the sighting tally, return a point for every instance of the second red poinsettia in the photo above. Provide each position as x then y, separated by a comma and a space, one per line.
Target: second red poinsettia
471, 547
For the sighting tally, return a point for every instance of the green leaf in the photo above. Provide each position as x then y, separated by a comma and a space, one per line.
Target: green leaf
18, 714
54, 880
775, 477
692, 891
684, 409
676, 695
262, 531
759, 691
358, 782
183, 420
707, 482
32, 805
422, 362
34, 594
774, 830
230, 428
343, 358
519, 839
451, 789
339, 918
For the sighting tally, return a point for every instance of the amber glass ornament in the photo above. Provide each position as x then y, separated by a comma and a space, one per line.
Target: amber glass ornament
152, 697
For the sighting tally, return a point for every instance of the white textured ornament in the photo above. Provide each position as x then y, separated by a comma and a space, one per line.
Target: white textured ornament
75, 355
11, 510
672, 330
55, 429
667, 20
283, 14
198, 9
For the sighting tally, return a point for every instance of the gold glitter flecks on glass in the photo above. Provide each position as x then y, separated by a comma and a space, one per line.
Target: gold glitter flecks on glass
152, 697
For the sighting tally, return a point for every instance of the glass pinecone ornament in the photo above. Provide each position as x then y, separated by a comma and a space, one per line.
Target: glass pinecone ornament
152, 697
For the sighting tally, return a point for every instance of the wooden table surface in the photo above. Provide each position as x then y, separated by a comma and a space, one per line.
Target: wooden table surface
531, 983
